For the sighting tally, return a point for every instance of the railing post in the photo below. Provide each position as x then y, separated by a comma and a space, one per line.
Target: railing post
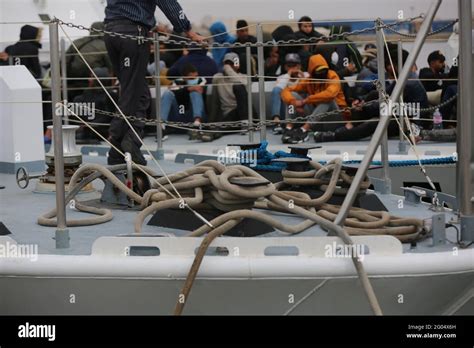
261, 83
64, 79
402, 144
386, 187
159, 130
62, 233
248, 56
465, 125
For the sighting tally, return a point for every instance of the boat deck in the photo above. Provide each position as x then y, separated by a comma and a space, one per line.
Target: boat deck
19, 209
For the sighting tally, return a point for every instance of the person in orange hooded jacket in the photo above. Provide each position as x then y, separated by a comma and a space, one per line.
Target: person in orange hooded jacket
322, 92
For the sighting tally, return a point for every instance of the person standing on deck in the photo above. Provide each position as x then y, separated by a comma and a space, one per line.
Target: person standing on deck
129, 61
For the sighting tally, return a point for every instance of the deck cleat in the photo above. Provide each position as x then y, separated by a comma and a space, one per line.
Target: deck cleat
295, 164
302, 149
248, 181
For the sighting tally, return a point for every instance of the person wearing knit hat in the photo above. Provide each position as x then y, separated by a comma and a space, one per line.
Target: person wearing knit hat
368, 73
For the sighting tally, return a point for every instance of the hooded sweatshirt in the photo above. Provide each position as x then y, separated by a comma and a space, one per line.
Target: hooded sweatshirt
318, 92
219, 29
27, 46
349, 51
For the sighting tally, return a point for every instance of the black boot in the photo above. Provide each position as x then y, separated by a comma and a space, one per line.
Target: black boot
131, 145
114, 156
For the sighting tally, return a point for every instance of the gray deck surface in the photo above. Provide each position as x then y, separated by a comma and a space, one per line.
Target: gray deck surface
180, 143
19, 209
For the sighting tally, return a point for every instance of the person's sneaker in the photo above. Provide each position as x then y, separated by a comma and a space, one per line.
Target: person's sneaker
299, 136
277, 129
323, 137
286, 135
193, 135
415, 129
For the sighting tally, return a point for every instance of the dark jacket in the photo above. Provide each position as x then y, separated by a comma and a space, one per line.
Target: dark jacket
143, 12
205, 65
313, 35
345, 49
437, 83
414, 92
94, 43
29, 48
242, 52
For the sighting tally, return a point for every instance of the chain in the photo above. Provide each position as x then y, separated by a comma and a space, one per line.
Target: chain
229, 45
256, 123
386, 97
439, 106
434, 32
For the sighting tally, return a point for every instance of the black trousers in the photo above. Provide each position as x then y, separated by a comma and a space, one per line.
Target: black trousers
129, 61
363, 130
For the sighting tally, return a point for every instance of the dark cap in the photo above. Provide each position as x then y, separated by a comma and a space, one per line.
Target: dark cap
436, 55
242, 23
293, 58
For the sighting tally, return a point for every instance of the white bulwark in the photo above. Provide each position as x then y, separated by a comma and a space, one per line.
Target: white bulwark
21, 121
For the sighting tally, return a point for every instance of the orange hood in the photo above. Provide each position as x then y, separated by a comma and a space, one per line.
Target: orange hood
317, 62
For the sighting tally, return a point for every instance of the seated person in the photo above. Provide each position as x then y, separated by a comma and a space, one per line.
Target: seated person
414, 93
347, 58
291, 78
368, 73
205, 65
306, 30
231, 87
244, 37
220, 35
432, 77
26, 51
184, 100
321, 93
450, 89
89, 106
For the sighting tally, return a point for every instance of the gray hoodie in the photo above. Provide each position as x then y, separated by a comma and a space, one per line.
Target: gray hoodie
224, 83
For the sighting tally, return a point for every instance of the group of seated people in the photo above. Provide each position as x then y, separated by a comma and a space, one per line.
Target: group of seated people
311, 79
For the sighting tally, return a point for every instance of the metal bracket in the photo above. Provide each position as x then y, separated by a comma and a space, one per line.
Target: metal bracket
467, 228
413, 195
111, 195
442, 197
402, 148
438, 228
381, 185
62, 238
